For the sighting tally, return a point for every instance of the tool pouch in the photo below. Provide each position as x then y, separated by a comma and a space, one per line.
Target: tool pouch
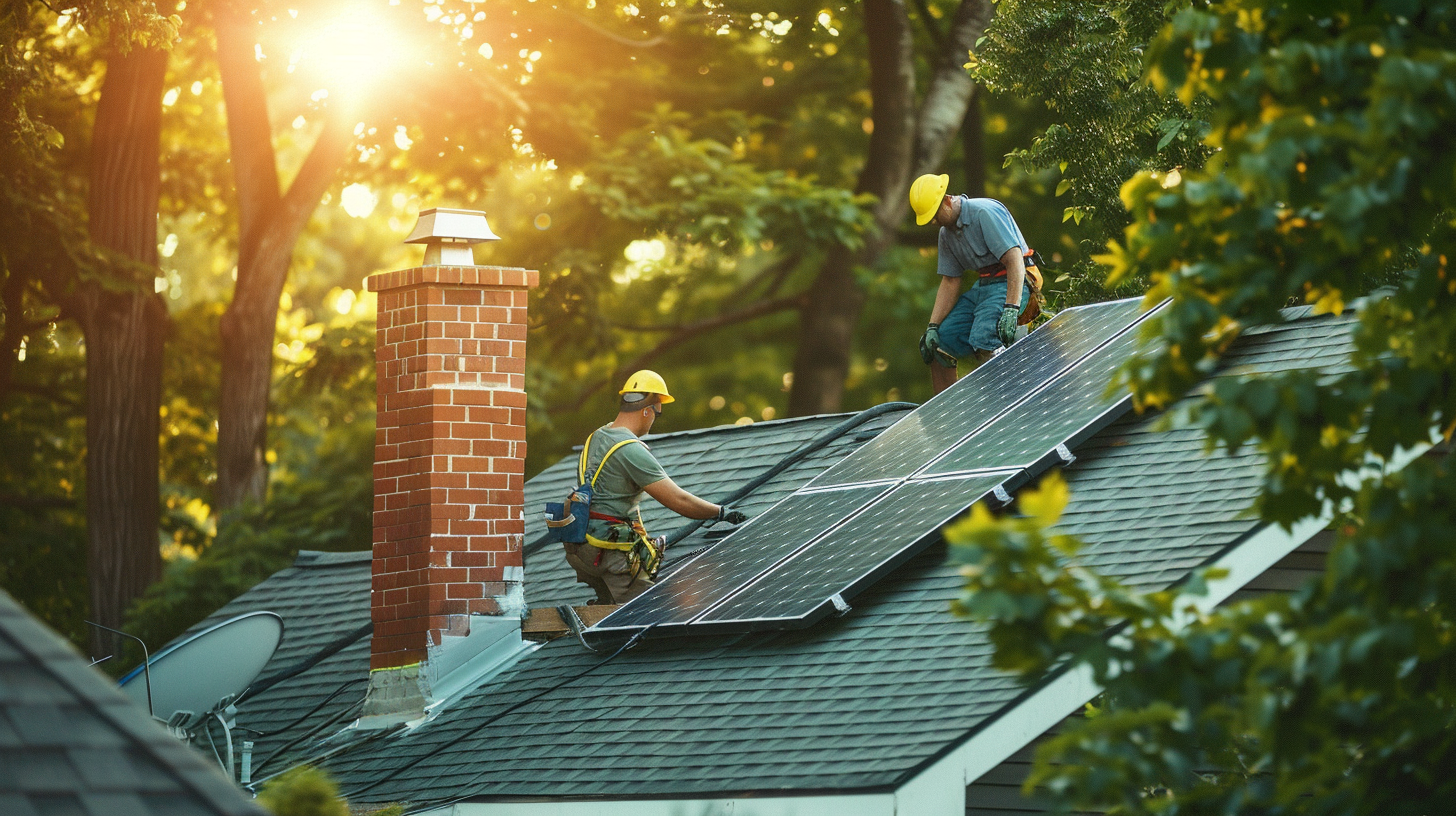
1034, 283
646, 555
566, 520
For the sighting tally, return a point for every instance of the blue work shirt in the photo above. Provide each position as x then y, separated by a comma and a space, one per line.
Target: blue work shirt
980, 236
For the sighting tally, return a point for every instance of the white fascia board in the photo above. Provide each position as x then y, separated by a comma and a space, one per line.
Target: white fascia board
876, 804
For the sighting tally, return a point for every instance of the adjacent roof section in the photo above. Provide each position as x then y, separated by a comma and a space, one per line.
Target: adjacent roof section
71, 743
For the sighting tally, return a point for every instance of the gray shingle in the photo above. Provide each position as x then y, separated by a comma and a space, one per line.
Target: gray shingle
71, 743
856, 702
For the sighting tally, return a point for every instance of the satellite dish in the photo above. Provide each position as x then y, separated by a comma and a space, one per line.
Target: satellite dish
209, 669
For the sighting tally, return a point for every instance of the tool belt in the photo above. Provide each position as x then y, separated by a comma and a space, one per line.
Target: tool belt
1033, 280
630, 537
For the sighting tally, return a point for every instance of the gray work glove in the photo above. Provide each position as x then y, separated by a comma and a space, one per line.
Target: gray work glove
930, 342
930, 347
1006, 325
728, 514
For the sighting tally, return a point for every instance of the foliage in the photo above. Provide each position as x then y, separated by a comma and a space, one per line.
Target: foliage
1084, 62
42, 486
696, 172
303, 791
1334, 172
321, 494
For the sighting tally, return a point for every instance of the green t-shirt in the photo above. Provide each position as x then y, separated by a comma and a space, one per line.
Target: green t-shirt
619, 489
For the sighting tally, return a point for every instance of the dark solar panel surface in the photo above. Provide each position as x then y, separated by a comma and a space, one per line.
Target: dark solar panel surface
984, 393
1072, 407
1045, 390
741, 557
853, 555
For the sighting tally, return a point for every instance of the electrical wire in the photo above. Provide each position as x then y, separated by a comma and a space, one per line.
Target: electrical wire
497, 716
342, 715
207, 729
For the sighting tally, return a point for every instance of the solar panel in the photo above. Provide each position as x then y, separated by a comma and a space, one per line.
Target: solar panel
983, 394
1000, 426
865, 548
738, 559
1070, 409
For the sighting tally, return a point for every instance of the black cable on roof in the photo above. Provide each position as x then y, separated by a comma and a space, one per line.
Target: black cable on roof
307, 663
789, 460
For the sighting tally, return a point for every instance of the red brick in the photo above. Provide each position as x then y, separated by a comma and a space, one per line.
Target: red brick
464, 591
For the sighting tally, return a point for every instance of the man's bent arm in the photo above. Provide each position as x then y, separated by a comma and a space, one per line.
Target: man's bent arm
680, 501
1015, 275
945, 298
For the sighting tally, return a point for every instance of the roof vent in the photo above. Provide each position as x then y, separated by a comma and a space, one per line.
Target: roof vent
449, 234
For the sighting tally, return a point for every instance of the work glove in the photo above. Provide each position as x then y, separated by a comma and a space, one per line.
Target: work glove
1006, 325
728, 514
930, 342
930, 347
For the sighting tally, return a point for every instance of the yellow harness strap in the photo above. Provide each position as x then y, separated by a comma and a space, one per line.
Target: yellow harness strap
585, 449
581, 477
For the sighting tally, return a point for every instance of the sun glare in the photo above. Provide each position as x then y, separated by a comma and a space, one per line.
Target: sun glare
352, 52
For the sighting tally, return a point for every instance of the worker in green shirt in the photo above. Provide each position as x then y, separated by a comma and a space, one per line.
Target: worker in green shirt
618, 560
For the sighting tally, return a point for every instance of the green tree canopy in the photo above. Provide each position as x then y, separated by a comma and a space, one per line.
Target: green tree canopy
1333, 173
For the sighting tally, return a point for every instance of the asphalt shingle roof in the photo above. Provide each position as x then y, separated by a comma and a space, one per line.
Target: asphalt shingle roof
860, 702
71, 743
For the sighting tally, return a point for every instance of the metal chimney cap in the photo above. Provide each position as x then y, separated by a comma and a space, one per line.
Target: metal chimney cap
442, 225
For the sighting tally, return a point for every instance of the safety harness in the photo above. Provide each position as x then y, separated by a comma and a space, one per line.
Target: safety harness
1033, 281
568, 520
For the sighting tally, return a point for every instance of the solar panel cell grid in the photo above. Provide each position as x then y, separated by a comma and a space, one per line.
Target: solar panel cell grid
984, 393
740, 558
854, 555
1073, 403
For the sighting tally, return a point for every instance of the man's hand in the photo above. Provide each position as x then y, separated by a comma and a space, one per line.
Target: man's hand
1006, 326
930, 342
728, 514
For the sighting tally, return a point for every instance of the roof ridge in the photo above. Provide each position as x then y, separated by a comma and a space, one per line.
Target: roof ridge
323, 558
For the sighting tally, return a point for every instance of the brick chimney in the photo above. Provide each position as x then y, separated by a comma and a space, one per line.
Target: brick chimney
449, 464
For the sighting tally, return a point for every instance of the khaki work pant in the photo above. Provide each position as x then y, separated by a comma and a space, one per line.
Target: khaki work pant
608, 572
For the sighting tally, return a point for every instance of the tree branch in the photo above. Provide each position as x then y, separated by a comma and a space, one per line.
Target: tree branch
617, 38
682, 335
937, 37
778, 270
950, 88
250, 139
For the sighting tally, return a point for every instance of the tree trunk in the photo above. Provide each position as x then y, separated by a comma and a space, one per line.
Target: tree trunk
125, 331
902, 145
269, 224
973, 149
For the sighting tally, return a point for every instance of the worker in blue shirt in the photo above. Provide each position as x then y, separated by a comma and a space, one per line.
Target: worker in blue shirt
976, 235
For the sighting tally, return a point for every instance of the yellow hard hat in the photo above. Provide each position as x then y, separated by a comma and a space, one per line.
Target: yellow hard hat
926, 194
647, 381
